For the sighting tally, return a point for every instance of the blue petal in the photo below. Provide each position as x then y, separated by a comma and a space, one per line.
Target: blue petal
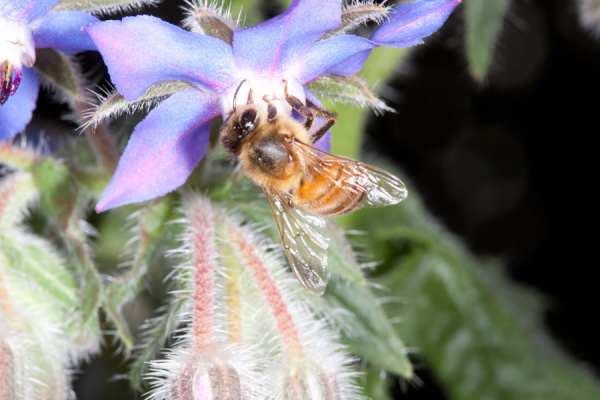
16, 113
141, 51
163, 149
331, 55
270, 47
26, 10
351, 65
346, 54
410, 22
62, 30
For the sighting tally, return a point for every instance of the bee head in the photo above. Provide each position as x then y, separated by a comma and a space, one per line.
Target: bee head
237, 126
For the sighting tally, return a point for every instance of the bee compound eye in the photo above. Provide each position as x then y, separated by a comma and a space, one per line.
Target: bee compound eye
248, 120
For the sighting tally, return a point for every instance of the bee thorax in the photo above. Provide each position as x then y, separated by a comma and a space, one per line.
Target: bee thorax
272, 157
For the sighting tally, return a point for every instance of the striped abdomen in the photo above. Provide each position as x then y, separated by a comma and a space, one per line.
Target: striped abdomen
333, 191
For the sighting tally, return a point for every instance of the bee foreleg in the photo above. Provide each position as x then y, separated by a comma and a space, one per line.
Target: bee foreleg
298, 106
271, 109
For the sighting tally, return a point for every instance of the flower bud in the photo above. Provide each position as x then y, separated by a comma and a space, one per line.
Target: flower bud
217, 373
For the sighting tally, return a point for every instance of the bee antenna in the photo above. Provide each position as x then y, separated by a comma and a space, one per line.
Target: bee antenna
236, 93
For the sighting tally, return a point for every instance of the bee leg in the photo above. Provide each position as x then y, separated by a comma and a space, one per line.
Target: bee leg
320, 112
298, 106
271, 109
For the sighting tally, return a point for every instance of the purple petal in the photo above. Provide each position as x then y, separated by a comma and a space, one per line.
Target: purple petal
270, 47
331, 54
26, 10
351, 65
163, 149
16, 113
410, 22
141, 51
62, 30
325, 142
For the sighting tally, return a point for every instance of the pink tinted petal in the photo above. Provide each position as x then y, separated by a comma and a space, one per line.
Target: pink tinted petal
409, 23
62, 30
141, 51
26, 10
163, 149
16, 113
325, 142
270, 47
331, 55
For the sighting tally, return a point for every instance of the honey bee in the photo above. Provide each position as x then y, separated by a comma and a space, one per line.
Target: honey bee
303, 184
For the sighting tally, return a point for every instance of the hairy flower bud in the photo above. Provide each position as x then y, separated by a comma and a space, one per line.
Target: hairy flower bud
216, 373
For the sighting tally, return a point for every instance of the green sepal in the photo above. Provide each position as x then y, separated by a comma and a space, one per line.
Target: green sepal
367, 331
210, 20
61, 72
151, 227
346, 89
357, 14
483, 21
113, 104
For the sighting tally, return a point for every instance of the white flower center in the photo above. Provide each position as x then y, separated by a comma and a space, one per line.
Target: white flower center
16, 50
257, 89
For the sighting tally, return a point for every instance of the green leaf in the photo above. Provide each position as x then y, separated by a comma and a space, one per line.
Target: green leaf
479, 333
59, 197
57, 190
151, 227
102, 6
483, 21
374, 384
16, 192
61, 72
158, 331
340, 256
367, 331
475, 346
39, 270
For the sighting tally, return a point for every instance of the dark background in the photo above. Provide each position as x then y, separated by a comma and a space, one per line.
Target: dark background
505, 163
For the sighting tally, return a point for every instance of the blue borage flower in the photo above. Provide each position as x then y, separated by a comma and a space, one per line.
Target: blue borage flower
297, 47
26, 25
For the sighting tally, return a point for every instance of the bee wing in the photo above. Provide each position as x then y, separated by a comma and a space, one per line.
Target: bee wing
380, 187
305, 246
